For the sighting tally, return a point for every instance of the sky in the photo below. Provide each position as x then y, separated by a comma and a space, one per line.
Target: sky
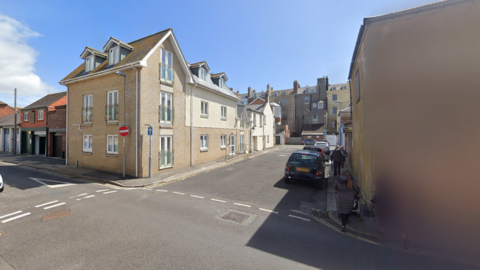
255, 42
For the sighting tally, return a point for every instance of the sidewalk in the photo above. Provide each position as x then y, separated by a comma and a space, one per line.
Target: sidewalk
58, 166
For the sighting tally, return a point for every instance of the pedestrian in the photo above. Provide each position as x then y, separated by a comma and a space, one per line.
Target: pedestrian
345, 155
336, 156
345, 198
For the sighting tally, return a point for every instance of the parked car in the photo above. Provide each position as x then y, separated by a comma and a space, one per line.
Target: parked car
308, 141
305, 165
326, 149
1, 183
316, 148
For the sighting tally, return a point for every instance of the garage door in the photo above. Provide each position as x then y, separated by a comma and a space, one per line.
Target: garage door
57, 146
6, 139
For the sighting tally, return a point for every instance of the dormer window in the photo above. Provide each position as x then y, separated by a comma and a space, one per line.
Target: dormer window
221, 82
114, 55
203, 74
89, 63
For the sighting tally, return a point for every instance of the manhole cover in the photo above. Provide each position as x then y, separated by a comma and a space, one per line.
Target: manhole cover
55, 215
238, 217
235, 216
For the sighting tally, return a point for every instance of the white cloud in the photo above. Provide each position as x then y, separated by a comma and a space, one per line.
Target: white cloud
17, 60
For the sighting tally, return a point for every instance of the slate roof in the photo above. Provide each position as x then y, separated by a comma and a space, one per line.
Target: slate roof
255, 107
240, 111
8, 120
209, 83
313, 129
46, 100
141, 48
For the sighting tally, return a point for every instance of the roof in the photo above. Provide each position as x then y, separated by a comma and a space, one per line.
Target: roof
2, 103
315, 129
201, 63
255, 107
93, 51
8, 120
141, 48
209, 84
220, 74
405, 12
46, 100
119, 42
240, 110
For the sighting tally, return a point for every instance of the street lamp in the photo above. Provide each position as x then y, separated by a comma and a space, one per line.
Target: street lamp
119, 73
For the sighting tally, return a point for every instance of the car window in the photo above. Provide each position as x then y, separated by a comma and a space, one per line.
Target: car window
303, 159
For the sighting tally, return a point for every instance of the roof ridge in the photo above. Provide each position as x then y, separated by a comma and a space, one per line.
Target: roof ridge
130, 43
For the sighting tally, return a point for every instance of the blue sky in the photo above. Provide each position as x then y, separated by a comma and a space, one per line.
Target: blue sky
255, 42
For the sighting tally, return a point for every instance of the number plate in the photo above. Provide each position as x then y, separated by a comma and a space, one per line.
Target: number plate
303, 170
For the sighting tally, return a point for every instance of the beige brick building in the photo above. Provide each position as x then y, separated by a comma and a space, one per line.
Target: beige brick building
341, 93
188, 108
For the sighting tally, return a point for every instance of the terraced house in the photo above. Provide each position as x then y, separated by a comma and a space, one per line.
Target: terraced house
192, 111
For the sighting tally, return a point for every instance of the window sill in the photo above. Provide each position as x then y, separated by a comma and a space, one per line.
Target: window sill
112, 155
223, 147
87, 124
203, 150
204, 115
86, 153
163, 81
112, 123
224, 119
166, 126
166, 167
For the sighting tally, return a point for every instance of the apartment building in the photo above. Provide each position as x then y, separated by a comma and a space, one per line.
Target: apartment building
338, 99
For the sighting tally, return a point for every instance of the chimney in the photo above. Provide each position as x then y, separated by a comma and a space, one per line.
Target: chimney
238, 92
295, 87
269, 90
250, 92
322, 87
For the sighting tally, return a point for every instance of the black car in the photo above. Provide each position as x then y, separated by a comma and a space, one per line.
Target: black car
305, 165
308, 141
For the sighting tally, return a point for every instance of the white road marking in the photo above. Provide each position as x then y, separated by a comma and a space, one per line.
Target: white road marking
270, 211
128, 188
242, 204
299, 217
11, 214
86, 197
13, 218
162, 190
108, 192
55, 205
79, 195
195, 196
146, 188
282, 155
101, 190
179, 193
218, 200
42, 181
40, 205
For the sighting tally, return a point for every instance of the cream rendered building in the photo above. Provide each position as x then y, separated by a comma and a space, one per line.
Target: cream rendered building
263, 125
336, 92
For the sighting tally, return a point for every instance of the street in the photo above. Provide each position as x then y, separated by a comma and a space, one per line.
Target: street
242, 216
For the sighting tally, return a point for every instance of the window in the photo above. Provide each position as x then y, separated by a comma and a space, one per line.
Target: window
242, 143
334, 123
87, 143
223, 141
320, 105
166, 73
357, 78
262, 94
25, 116
203, 74
166, 110
343, 87
112, 106
314, 105
204, 108
40, 115
32, 117
89, 63
242, 124
261, 121
255, 95
334, 88
314, 118
112, 144
334, 110
284, 101
114, 55
87, 111
275, 94
284, 93
203, 142
221, 82
254, 120
307, 100
232, 144
334, 97
224, 112
166, 153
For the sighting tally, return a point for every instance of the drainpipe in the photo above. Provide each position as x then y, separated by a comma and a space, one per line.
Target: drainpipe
136, 120
191, 124
66, 130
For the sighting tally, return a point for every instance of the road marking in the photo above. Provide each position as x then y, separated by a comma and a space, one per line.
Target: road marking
195, 196
55, 205
101, 190
146, 188
40, 205
179, 193
282, 155
13, 218
162, 190
128, 188
242, 204
80, 195
11, 214
218, 200
270, 211
108, 192
86, 197
42, 181
306, 219
346, 233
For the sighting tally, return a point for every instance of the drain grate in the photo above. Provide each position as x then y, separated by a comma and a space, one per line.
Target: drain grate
55, 215
235, 217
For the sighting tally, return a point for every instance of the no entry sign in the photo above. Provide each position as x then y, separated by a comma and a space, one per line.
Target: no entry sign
123, 131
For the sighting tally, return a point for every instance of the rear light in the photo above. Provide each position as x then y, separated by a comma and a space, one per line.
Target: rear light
319, 172
287, 168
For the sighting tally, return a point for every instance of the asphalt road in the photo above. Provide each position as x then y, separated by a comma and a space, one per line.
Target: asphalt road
179, 226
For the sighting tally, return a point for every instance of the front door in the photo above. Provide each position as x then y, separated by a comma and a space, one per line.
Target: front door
232, 144
42, 145
242, 144
166, 152
6, 139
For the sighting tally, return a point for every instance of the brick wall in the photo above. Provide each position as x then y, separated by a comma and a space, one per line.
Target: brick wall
58, 118
5, 110
37, 123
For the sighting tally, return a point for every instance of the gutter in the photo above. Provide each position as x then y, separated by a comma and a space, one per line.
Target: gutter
101, 73
66, 139
214, 91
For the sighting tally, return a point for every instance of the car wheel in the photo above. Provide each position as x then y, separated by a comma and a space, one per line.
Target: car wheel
286, 180
1, 189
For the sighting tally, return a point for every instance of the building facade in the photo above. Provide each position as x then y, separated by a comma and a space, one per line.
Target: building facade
338, 98
7, 133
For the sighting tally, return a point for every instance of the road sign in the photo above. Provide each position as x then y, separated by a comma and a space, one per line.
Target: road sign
324, 133
123, 131
150, 131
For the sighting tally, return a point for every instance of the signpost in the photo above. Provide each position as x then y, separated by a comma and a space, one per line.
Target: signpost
123, 131
150, 133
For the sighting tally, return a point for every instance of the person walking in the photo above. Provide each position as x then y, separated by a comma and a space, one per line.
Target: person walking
336, 156
345, 197
345, 155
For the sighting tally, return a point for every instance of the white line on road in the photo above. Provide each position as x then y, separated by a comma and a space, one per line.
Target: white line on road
128, 188
55, 205
40, 205
162, 190
86, 197
101, 190
282, 155
242, 204
218, 200
195, 196
299, 217
80, 195
13, 218
11, 214
270, 211
179, 193
108, 192
146, 188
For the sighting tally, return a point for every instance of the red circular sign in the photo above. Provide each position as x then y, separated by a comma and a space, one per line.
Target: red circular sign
123, 131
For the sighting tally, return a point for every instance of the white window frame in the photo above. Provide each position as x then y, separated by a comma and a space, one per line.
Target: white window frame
90, 63
113, 93
334, 124
203, 74
168, 147
25, 116
334, 110
114, 55
223, 141
334, 97
231, 146
40, 112
224, 112
314, 118
111, 140
165, 99
204, 108
168, 63
284, 102
314, 105
221, 82
87, 149
320, 105
88, 101
203, 142
307, 100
